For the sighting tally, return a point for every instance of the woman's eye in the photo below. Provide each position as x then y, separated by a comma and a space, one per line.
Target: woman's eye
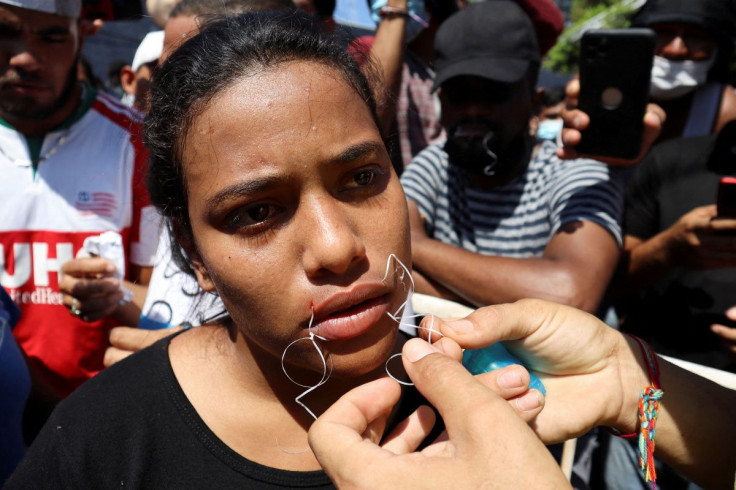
250, 217
258, 213
364, 177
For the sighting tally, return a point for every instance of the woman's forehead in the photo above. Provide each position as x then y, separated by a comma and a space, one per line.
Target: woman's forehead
287, 89
295, 111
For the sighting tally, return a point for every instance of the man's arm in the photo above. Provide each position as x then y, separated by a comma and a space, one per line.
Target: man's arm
696, 241
575, 268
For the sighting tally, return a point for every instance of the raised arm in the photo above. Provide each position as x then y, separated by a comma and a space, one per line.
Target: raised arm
387, 52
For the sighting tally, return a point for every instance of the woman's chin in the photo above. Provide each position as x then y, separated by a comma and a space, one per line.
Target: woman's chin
359, 358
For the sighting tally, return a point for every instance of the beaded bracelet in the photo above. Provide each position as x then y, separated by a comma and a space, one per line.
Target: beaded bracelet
648, 410
387, 12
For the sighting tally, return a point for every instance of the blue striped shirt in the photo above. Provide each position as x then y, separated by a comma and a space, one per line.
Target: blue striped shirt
517, 219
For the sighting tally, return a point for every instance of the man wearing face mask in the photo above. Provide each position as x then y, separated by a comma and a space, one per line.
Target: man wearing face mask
494, 216
547, 124
694, 47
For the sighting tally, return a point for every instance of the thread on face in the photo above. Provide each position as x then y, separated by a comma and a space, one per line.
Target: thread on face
403, 273
325, 372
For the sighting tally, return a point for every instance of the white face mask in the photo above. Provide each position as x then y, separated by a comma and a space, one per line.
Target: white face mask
673, 79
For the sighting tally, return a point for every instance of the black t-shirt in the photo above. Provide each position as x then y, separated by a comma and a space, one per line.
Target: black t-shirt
131, 426
675, 313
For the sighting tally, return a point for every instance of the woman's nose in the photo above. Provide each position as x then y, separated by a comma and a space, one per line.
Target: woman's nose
332, 243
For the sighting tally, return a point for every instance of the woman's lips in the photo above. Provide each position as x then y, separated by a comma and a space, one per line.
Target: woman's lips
352, 321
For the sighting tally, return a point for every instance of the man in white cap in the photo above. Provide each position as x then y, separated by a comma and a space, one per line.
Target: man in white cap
72, 165
135, 79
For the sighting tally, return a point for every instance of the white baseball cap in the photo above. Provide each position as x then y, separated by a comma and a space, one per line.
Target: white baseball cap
67, 8
149, 49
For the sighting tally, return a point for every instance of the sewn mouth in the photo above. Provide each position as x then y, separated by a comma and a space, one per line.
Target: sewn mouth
352, 321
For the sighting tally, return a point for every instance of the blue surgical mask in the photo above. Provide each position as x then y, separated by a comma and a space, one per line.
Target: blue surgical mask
549, 129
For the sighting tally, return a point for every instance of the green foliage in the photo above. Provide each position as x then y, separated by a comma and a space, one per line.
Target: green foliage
608, 14
580, 9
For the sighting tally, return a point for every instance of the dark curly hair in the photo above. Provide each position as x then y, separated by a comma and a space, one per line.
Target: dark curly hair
224, 53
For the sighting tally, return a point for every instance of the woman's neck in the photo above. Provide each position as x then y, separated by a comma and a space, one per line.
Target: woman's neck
243, 395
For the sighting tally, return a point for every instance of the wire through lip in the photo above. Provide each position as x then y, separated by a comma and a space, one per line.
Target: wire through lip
325, 373
402, 272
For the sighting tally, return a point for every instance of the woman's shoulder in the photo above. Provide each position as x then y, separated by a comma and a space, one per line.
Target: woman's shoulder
121, 388
96, 435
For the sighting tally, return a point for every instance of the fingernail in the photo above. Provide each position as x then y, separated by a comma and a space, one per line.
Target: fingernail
511, 379
577, 121
415, 351
731, 313
110, 268
459, 326
532, 400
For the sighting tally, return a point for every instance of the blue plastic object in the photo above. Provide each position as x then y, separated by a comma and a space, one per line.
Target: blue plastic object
495, 356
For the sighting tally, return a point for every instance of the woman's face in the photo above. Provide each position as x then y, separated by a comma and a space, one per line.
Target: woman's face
295, 209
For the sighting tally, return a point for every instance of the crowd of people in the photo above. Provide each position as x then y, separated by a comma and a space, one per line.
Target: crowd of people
285, 187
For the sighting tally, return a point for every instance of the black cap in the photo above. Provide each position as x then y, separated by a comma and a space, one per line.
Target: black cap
713, 16
717, 17
493, 39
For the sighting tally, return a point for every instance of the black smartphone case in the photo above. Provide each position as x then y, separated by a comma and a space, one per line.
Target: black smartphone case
615, 71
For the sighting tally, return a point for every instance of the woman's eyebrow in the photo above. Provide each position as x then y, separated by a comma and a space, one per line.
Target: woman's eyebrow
358, 151
350, 154
241, 188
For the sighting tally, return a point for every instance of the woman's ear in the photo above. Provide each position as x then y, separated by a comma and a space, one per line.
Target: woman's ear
203, 276
186, 242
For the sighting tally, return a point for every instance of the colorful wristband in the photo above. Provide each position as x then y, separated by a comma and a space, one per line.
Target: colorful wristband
648, 410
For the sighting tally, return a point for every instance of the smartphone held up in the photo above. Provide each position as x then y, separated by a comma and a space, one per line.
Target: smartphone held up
615, 72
